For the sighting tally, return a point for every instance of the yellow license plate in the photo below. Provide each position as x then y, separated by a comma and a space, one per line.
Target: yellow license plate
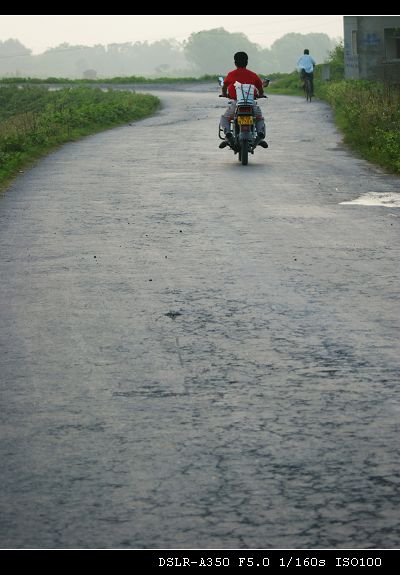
245, 120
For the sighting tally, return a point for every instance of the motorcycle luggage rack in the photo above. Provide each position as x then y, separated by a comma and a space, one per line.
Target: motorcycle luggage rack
244, 93
244, 109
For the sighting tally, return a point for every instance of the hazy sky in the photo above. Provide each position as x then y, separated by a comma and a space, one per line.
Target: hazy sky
41, 32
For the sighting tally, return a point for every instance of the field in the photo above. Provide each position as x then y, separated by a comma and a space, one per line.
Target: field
35, 120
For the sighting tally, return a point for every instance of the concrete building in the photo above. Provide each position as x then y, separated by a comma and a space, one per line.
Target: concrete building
372, 48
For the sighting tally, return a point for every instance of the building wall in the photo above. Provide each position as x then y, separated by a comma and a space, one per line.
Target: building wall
350, 25
369, 50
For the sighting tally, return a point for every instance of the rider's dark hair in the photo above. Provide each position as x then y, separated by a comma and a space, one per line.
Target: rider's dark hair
241, 59
306, 51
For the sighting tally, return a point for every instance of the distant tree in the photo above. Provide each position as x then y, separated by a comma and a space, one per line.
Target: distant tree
211, 51
337, 53
63, 60
90, 74
288, 49
266, 62
15, 58
336, 62
12, 48
162, 69
205, 52
142, 58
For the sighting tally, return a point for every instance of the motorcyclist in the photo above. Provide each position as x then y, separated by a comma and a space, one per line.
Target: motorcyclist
244, 76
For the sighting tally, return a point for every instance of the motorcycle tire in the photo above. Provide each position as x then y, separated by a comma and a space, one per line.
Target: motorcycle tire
244, 152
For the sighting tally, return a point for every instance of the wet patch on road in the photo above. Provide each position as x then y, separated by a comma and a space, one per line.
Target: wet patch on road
384, 199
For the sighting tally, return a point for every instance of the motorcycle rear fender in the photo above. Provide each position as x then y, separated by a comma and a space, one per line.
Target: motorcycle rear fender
246, 135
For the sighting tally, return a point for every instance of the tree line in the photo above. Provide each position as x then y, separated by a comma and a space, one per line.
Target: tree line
205, 52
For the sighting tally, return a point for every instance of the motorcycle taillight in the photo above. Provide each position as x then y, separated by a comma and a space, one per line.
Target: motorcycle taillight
245, 110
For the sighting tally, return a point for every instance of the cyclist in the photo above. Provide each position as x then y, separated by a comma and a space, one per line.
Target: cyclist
244, 76
306, 67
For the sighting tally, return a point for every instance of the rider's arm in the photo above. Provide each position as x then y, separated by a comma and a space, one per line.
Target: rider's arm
225, 90
259, 87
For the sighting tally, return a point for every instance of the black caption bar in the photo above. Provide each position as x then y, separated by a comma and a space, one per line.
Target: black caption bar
272, 559
260, 560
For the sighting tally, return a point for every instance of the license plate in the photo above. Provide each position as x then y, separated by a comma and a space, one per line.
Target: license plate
245, 120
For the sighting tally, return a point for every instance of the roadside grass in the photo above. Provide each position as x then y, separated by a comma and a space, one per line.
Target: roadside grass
287, 84
34, 120
368, 114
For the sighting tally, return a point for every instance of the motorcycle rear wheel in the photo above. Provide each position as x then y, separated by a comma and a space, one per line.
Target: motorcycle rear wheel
244, 152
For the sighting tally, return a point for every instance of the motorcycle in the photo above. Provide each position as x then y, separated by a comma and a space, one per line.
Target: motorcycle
243, 123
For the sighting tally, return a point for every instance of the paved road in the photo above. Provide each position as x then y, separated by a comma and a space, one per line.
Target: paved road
197, 354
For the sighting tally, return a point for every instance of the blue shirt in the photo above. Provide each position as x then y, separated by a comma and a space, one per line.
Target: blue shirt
307, 63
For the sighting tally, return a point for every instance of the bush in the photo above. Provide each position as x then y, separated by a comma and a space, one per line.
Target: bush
369, 115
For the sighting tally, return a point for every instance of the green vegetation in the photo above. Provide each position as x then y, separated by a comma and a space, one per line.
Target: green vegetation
34, 120
368, 113
336, 63
289, 84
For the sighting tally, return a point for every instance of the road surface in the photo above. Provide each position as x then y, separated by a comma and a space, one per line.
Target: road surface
195, 353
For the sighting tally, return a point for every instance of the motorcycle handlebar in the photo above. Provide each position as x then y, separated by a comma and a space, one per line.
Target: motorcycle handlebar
258, 97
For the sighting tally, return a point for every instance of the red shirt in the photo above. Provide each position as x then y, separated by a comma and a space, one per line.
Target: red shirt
244, 76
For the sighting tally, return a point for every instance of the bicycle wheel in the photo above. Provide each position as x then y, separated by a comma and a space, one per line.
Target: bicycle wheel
307, 89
